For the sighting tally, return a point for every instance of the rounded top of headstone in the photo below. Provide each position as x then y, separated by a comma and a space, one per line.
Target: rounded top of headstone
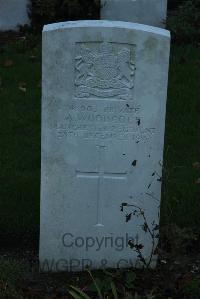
105, 24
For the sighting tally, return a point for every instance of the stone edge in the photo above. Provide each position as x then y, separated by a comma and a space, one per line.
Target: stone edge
106, 24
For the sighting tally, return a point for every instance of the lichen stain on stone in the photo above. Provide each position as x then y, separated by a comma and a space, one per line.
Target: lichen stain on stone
150, 44
149, 48
131, 36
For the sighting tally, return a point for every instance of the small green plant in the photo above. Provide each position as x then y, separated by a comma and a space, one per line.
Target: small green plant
151, 230
98, 288
116, 285
78, 293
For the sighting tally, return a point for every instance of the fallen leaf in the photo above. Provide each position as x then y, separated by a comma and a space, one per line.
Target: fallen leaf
22, 37
8, 63
197, 181
22, 88
196, 165
32, 57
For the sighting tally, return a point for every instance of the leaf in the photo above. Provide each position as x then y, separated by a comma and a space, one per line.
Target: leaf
83, 295
96, 285
156, 227
130, 279
131, 244
8, 63
23, 89
103, 284
128, 217
196, 165
134, 163
139, 246
114, 290
74, 295
145, 227
124, 204
22, 86
32, 57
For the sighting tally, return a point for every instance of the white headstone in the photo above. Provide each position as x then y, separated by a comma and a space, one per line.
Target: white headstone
148, 12
103, 118
13, 13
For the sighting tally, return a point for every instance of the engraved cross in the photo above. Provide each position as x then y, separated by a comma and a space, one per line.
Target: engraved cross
101, 175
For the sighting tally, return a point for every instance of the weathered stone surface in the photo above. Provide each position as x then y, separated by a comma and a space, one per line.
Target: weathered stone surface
103, 118
13, 13
148, 12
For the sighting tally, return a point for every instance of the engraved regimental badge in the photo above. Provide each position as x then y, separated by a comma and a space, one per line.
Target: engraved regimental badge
104, 71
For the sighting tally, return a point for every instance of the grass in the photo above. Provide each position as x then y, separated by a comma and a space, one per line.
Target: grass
20, 100
181, 192
20, 279
20, 139
12, 273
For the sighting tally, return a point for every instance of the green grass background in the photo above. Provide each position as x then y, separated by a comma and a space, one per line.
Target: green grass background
181, 193
20, 140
